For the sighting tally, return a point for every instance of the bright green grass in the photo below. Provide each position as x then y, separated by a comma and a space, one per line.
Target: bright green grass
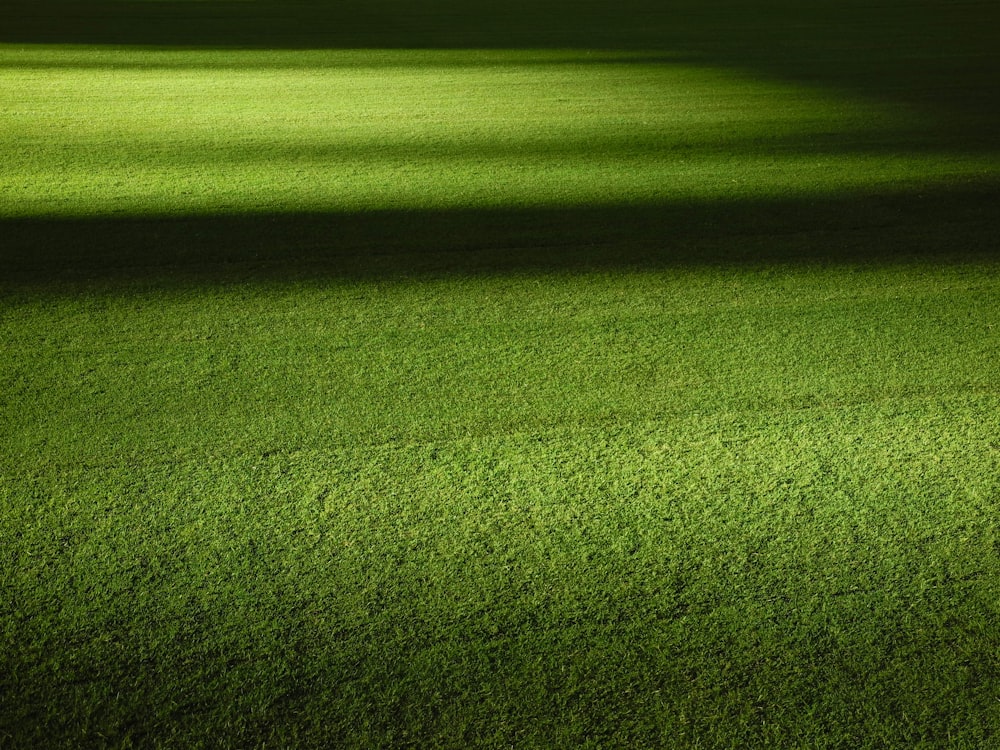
91, 131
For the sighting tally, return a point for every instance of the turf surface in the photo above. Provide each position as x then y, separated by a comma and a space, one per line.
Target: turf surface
451, 377
139, 132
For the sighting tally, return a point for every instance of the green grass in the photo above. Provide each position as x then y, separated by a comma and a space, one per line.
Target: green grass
447, 377
707, 507
137, 132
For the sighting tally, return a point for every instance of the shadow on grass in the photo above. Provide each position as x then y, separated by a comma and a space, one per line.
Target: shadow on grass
940, 57
941, 224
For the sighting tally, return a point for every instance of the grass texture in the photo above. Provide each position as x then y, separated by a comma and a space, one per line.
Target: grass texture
632, 381
705, 508
164, 132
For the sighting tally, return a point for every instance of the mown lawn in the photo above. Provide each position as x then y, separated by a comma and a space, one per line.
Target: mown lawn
514, 395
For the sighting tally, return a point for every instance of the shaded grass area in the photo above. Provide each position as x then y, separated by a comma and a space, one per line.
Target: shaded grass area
950, 224
939, 56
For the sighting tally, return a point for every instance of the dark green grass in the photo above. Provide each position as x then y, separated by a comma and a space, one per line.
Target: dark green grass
324, 422
736, 580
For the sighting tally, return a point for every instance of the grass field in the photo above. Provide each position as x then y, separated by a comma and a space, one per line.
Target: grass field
439, 375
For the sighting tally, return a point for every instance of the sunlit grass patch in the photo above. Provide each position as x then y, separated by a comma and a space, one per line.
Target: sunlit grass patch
110, 132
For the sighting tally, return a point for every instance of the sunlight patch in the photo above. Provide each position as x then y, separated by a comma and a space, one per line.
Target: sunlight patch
103, 131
